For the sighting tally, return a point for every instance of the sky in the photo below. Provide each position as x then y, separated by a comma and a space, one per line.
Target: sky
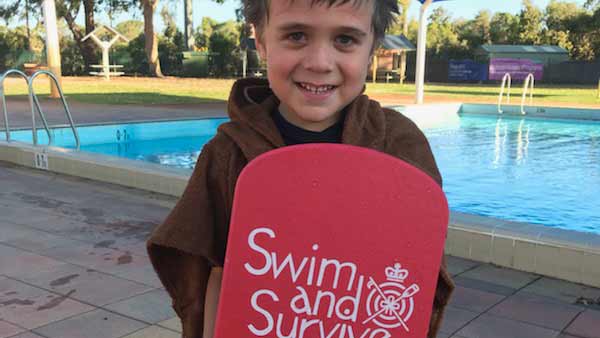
457, 8
221, 12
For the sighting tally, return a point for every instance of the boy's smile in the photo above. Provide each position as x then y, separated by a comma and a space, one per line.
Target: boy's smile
317, 57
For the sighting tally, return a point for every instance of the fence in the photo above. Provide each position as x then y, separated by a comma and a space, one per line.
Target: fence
575, 72
570, 72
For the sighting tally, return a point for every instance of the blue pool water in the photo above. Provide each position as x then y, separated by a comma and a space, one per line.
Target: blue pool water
535, 171
528, 170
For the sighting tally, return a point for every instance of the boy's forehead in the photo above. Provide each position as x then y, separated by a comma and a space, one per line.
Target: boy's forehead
278, 7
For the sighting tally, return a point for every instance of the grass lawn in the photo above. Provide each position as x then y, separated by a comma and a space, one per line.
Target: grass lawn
148, 91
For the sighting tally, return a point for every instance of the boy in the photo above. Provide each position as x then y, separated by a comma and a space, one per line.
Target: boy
317, 54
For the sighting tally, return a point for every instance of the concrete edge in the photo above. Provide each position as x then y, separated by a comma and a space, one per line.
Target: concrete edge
551, 252
104, 168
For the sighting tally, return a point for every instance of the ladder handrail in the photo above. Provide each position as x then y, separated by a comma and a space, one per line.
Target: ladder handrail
62, 98
530, 79
505, 79
26, 78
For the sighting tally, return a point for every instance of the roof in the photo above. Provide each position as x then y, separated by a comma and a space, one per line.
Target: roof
545, 49
108, 28
397, 42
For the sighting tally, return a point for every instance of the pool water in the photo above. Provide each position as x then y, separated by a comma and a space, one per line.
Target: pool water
519, 169
529, 170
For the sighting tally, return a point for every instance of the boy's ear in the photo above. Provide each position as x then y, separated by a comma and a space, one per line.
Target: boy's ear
260, 47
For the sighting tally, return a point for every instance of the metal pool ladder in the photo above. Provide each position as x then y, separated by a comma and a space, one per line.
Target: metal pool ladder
506, 80
35, 105
528, 84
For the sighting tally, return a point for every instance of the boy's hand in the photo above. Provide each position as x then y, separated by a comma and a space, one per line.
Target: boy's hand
211, 301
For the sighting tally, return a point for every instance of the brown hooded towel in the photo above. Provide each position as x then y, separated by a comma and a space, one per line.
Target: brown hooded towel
193, 237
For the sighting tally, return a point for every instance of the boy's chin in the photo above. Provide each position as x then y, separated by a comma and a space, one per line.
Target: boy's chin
318, 119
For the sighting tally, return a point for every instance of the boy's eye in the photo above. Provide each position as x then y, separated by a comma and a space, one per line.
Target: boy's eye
345, 40
296, 37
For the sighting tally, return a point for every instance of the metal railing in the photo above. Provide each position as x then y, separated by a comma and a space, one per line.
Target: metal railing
528, 84
35, 105
62, 98
2, 94
506, 79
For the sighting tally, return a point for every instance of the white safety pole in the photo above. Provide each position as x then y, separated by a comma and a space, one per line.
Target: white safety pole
421, 53
52, 47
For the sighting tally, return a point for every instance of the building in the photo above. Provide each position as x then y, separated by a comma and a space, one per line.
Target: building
545, 55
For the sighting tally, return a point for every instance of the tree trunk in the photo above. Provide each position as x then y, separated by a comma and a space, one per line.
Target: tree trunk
89, 55
87, 51
403, 53
28, 42
151, 42
90, 50
189, 25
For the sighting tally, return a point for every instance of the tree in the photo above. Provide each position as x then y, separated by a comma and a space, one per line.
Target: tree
504, 28
224, 41
404, 5
69, 9
442, 38
477, 31
530, 22
151, 44
591, 4
29, 8
204, 32
560, 15
560, 18
130, 28
188, 29
170, 45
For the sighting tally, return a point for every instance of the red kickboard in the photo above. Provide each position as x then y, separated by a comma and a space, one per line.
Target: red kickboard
332, 241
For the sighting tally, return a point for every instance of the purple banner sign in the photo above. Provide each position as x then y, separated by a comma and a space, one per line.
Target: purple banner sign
518, 69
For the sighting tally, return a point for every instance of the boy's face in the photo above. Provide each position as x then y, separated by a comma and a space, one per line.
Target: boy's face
317, 58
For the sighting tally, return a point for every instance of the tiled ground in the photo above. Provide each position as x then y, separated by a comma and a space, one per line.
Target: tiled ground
73, 265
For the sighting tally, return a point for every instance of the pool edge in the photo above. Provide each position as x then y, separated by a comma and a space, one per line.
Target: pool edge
547, 251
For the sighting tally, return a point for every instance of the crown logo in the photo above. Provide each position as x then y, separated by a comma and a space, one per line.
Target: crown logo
396, 273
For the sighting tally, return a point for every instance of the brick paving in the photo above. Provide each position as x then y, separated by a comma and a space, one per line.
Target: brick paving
73, 265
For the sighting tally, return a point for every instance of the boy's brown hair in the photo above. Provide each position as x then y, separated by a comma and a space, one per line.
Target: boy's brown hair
257, 12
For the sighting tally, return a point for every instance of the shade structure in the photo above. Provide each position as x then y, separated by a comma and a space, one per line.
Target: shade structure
397, 43
421, 43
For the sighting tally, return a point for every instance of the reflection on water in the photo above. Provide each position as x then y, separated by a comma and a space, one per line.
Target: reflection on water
522, 146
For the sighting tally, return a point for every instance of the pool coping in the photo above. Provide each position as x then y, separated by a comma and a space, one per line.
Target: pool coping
543, 250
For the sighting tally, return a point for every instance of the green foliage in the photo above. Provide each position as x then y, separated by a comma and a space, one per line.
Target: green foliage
170, 47
72, 62
133, 56
202, 36
592, 4
530, 27
442, 38
573, 28
504, 28
130, 28
477, 32
224, 41
15, 48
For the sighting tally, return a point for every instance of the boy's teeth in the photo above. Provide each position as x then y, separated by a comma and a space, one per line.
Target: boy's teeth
315, 89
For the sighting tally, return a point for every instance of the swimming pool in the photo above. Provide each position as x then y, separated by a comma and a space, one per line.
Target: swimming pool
519, 169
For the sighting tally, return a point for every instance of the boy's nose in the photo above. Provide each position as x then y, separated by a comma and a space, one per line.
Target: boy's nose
319, 59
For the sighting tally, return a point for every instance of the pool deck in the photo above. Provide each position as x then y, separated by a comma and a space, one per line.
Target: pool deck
19, 112
73, 262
